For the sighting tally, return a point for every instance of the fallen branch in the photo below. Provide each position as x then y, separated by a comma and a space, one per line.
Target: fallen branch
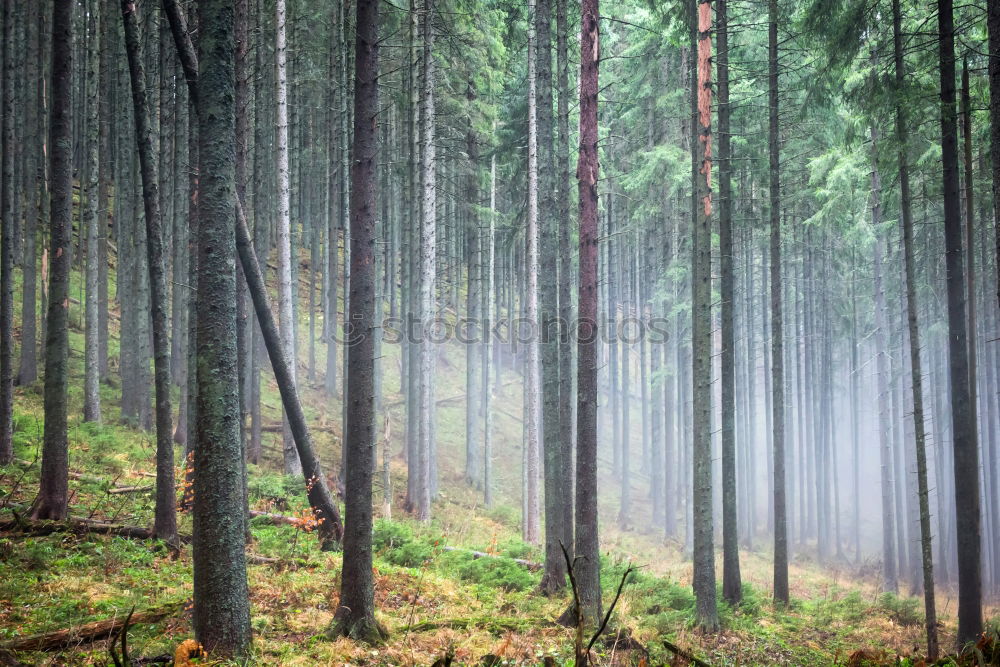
130, 489
79, 476
89, 632
482, 554
7, 659
493, 624
279, 427
678, 651
276, 518
280, 563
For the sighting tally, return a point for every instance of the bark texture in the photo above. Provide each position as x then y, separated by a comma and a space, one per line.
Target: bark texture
355, 616
777, 338
221, 598
165, 523
587, 569
964, 435
53, 490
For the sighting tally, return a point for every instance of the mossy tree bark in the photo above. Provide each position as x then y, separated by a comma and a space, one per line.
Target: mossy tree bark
7, 245
221, 598
53, 490
89, 220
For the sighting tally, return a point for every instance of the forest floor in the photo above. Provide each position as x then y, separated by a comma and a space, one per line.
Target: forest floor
434, 601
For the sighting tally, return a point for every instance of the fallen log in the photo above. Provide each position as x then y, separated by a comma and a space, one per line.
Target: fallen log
280, 563
482, 554
79, 526
76, 525
88, 632
7, 659
678, 651
492, 624
279, 427
72, 474
276, 518
130, 489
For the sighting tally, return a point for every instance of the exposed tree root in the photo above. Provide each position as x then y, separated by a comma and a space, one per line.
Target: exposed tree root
365, 629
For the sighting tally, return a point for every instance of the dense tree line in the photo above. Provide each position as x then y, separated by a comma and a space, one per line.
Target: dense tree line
769, 304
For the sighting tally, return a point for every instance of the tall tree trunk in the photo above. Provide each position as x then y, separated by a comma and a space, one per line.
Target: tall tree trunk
473, 252
27, 371
993, 26
587, 569
916, 367
554, 578
889, 545
414, 249
221, 600
7, 244
969, 254
285, 294
92, 371
317, 490
701, 334
777, 337
165, 523
489, 309
731, 584
532, 403
355, 616
966, 449
566, 423
105, 219
53, 490
428, 263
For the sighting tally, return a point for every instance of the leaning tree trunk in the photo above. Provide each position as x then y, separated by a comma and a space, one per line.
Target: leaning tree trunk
53, 490
355, 616
165, 522
777, 339
964, 436
916, 368
317, 489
